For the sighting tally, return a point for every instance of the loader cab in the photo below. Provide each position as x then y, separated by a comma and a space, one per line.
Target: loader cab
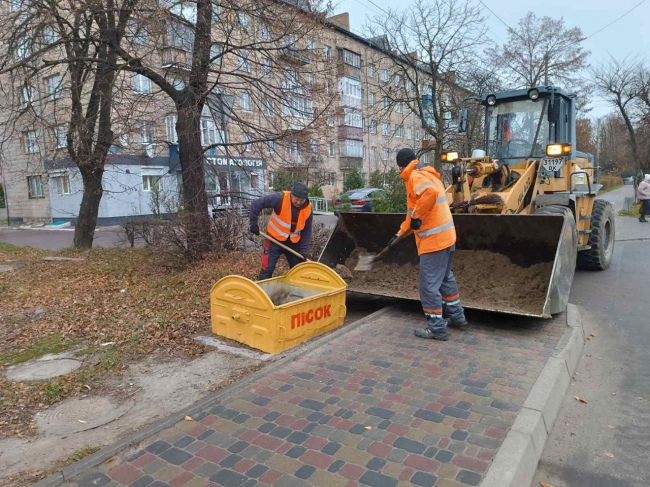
520, 124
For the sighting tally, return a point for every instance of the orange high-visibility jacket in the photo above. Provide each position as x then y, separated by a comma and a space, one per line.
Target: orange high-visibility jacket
279, 226
426, 199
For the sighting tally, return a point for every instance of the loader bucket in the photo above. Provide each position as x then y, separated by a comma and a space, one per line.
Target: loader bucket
515, 264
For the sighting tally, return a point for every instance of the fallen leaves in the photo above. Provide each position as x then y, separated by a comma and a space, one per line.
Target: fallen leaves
579, 399
545, 484
610, 455
188, 418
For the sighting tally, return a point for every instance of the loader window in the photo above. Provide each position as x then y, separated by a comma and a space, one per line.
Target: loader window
511, 130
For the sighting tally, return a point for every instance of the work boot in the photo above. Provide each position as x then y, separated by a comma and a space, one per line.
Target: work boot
643, 220
427, 333
462, 323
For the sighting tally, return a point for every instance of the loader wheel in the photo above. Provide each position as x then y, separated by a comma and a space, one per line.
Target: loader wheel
601, 239
568, 215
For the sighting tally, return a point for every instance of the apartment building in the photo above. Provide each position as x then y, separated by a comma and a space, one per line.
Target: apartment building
330, 114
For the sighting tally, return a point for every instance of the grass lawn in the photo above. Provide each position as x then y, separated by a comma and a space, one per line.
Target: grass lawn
635, 211
134, 298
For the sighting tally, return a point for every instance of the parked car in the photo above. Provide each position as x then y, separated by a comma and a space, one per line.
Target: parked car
361, 199
628, 180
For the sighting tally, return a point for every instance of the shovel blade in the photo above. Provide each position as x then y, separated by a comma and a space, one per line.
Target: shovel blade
365, 262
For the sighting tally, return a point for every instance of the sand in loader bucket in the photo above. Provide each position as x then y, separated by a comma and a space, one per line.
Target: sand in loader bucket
520, 289
519, 264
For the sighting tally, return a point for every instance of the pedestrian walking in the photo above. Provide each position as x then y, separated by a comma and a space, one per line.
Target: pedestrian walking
429, 217
290, 223
643, 195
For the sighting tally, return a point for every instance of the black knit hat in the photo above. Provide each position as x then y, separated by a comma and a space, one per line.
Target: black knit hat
299, 190
405, 157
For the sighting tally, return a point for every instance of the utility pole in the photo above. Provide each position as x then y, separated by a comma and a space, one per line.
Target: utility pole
546, 69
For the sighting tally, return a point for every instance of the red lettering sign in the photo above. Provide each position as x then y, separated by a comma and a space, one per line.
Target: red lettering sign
295, 321
310, 316
319, 313
300, 319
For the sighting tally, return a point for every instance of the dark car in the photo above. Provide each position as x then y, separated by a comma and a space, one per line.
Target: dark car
361, 199
628, 180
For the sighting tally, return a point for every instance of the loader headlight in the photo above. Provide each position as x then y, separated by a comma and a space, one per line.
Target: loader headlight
491, 100
558, 150
450, 156
533, 94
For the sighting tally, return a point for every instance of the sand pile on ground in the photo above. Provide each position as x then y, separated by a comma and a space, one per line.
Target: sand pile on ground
485, 280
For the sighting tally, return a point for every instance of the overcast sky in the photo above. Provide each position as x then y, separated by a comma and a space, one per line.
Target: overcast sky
628, 36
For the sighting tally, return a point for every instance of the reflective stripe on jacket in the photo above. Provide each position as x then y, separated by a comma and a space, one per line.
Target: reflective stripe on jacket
279, 226
427, 200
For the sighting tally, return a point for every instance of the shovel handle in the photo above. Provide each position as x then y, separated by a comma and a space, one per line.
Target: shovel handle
297, 254
397, 240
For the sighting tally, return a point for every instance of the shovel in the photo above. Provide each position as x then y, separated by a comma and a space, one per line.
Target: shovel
297, 254
366, 261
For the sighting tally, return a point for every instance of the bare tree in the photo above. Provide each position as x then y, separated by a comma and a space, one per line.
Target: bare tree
430, 42
620, 83
542, 51
64, 44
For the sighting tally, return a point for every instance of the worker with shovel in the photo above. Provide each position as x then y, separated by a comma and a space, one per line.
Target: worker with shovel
289, 227
429, 217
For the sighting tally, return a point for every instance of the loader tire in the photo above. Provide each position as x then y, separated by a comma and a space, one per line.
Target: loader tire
569, 217
601, 239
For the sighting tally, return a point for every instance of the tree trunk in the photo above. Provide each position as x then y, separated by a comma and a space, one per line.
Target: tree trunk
195, 200
84, 231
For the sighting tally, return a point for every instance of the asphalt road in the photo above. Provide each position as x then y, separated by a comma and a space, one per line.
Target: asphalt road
605, 443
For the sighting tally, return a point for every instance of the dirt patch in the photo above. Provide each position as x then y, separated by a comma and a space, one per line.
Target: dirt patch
485, 279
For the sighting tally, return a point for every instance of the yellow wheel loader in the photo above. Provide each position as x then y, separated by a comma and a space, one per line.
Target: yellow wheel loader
525, 212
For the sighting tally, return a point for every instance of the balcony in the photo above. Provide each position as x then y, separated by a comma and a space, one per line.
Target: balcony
348, 71
295, 124
352, 133
175, 58
349, 101
348, 163
294, 55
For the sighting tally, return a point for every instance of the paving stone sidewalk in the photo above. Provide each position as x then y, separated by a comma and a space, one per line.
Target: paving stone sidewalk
375, 406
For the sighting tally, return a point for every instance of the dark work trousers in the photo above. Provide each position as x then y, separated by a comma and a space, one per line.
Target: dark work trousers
645, 208
272, 253
438, 291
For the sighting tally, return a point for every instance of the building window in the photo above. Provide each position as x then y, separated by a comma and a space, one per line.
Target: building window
60, 137
270, 147
409, 133
373, 154
243, 62
311, 44
136, 32
170, 127
385, 129
31, 142
293, 148
23, 48
352, 118
398, 80
399, 131
330, 119
53, 86
35, 186
417, 135
245, 102
16, 5
50, 35
425, 158
314, 147
311, 79
373, 127
216, 12
27, 96
146, 132
330, 149
151, 182
243, 21
247, 140
61, 184
351, 58
265, 32
254, 181
269, 106
351, 148
209, 133
409, 85
210, 179
385, 103
177, 83
385, 154
332, 179
371, 99
141, 84
266, 68
216, 54
398, 107
371, 71
385, 77
327, 53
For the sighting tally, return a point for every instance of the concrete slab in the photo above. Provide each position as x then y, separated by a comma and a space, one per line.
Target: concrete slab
547, 394
240, 351
41, 370
514, 464
531, 423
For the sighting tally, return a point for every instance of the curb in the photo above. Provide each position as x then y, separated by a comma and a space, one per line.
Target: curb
516, 460
91, 461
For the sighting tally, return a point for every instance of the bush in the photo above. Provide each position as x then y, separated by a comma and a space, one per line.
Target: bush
2, 197
345, 204
353, 181
316, 191
610, 182
376, 179
395, 199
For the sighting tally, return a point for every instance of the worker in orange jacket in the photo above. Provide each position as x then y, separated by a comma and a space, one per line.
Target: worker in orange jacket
429, 217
